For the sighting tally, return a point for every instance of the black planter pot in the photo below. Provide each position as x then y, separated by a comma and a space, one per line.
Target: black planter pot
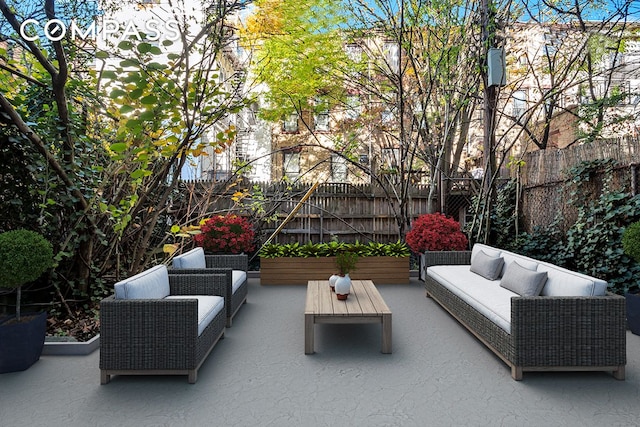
633, 312
21, 343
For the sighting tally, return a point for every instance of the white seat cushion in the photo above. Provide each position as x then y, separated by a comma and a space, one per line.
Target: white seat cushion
150, 284
208, 307
237, 278
486, 296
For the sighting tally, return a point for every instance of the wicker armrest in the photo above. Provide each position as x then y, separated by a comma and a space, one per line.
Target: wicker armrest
143, 334
234, 262
569, 330
447, 258
199, 282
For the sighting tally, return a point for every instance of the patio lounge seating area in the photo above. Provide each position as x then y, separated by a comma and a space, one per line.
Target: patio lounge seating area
159, 323
534, 315
438, 374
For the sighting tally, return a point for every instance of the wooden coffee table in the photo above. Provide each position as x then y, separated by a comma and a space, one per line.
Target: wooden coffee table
364, 305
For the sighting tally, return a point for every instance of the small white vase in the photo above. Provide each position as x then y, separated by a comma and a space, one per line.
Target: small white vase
332, 281
343, 287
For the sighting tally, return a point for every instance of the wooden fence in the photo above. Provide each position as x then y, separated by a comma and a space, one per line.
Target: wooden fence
544, 167
345, 211
368, 211
545, 179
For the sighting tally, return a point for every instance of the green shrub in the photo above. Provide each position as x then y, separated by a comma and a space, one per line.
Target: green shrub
318, 250
631, 241
594, 242
24, 256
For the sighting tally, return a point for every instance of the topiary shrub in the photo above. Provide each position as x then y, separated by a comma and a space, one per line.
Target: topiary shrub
24, 256
631, 241
436, 232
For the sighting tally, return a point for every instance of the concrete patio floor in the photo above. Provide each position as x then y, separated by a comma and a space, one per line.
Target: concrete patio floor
438, 375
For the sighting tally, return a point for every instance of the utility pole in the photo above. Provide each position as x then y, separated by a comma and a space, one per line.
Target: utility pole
490, 99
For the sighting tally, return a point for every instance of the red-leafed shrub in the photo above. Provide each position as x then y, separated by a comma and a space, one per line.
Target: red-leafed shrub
436, 232
226, 234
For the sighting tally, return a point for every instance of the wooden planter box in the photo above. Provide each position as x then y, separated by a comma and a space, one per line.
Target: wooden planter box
297, 271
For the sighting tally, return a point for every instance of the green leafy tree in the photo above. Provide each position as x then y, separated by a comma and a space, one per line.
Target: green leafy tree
298, 46
426, 76
415, 103
104, 147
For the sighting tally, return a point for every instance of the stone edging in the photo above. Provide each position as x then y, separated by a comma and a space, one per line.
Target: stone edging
70, 348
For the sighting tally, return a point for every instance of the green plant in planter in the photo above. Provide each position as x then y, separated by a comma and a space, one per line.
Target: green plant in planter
333, 248
346, 261
24, 256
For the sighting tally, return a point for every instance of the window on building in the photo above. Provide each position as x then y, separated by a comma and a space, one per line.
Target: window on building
387, 116
291, 164
338, 168
553, 41
290, 123
242, 147
478, 114
354, 52
419, 116
616, 60
519, 103
523, 60
390, 157
623, 90
354, 108
321, 120
192, 169
583, 98
391, 56
321, 114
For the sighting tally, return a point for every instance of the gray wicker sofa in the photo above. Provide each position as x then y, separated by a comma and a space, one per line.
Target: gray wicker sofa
565, 321
158, 323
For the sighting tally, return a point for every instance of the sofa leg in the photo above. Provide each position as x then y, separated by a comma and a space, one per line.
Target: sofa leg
619, 373
104, 377
229, 321
193, 376
516, 373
